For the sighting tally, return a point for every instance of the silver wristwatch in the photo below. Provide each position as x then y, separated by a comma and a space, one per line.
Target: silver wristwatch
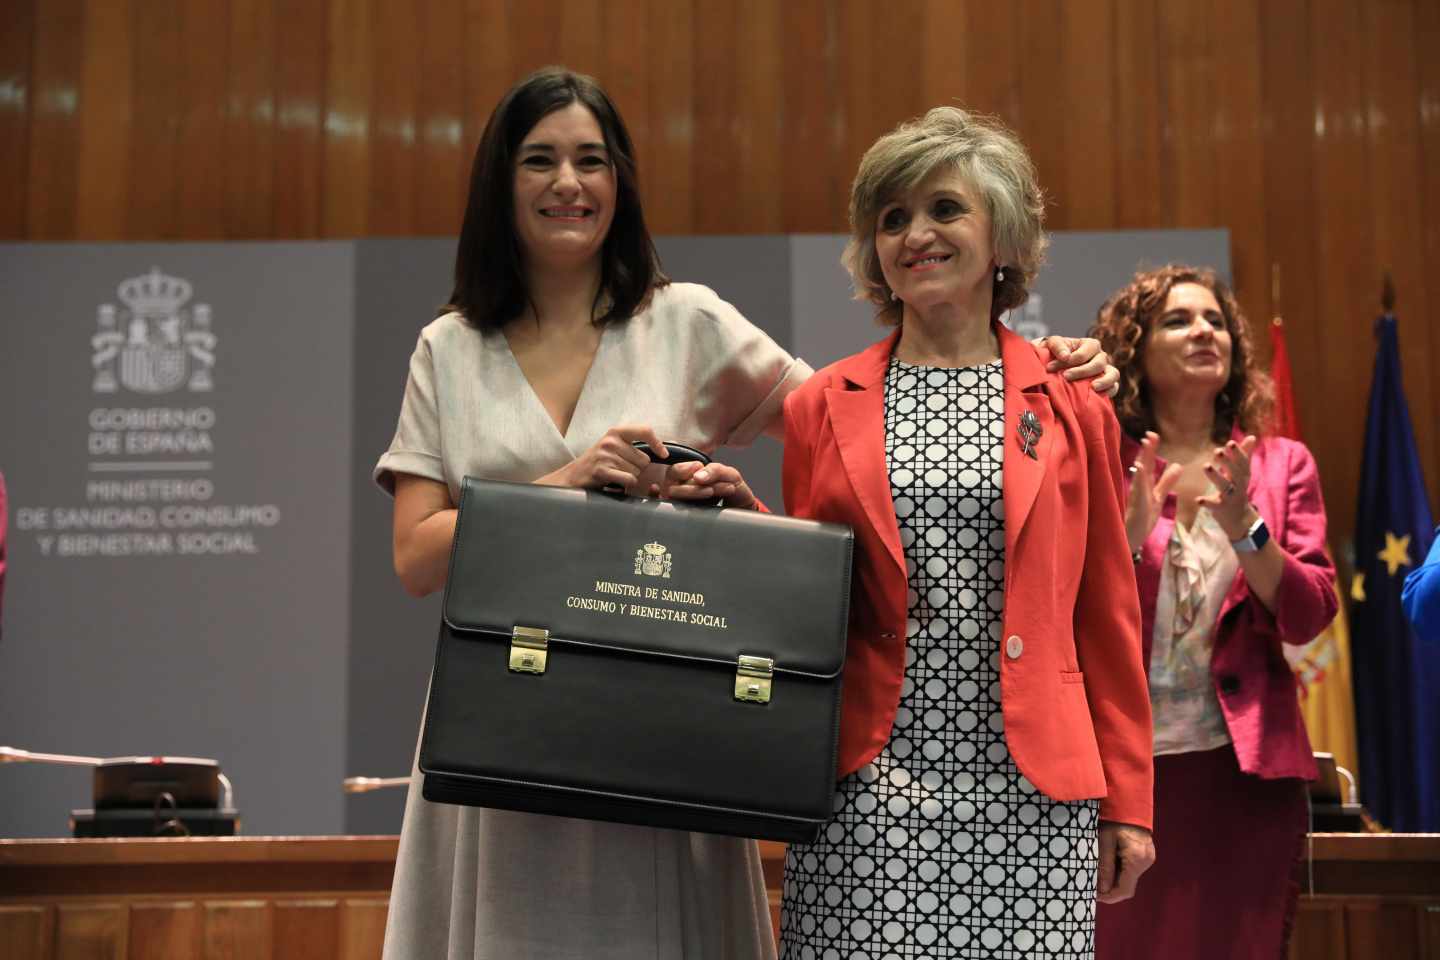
1256, 537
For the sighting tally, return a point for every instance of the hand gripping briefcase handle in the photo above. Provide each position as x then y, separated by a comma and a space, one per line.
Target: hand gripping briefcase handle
679, 453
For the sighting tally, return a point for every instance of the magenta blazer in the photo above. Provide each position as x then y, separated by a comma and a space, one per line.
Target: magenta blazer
1256, 687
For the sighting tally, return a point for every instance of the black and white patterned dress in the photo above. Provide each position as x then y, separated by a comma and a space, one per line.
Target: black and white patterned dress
940, 847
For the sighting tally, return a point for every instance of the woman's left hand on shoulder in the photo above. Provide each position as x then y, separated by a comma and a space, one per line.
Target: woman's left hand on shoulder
696, 481
1229, 470
1081, 358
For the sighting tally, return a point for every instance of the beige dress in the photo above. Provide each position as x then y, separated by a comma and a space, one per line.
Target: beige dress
477, 883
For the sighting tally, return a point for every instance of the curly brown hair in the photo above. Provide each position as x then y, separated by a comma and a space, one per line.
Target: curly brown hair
1123, 325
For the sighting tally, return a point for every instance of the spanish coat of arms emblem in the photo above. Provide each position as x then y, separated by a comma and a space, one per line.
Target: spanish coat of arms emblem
653, 560
153, 344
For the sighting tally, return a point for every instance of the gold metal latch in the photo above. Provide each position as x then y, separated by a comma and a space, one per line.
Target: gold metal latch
752, 678
527, 649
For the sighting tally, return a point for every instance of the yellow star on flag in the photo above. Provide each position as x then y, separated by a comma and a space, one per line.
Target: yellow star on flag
1396, 553
1357, 588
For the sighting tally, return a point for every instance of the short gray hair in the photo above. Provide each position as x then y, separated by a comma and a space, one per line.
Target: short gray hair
990, 158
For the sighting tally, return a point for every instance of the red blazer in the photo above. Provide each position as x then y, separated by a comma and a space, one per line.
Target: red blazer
1254, 682
1072, 687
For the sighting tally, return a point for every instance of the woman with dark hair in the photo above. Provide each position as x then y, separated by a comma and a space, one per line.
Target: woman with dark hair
563, 343
1228, 531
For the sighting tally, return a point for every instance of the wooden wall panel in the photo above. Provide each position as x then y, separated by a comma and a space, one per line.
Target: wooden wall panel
759, 91
1393, 139
1187, 79
1139, 132
1382, 930
626, 70
362, 929
1310, 128
54, 147
439, 186
165, 930
1426, 42
1430, 931
877, 44
349, 74
305, 929
1086, 173
1239, 181
25, 931
1347, 275
238, 930
534, 35
667, 163
811, 191
992, 65
1288, 169
1319, 931
717, 158
487, 69
1040, 118
106, 115
91, 932
249, 181
943, 43
580, 40
152, 204
299, 137
394, 103
17, 41
203, 65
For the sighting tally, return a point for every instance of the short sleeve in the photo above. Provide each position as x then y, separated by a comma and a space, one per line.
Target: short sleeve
416, 447
747, 376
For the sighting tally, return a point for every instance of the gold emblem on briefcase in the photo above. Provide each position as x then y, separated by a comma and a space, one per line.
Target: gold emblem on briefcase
653, 560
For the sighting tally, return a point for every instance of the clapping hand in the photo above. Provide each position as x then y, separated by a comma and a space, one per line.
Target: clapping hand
1229, 470
1147, 492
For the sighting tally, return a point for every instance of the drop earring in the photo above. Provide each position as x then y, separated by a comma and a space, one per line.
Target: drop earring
999, 274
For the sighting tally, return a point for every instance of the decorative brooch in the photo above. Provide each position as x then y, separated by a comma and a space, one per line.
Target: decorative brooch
1029, 432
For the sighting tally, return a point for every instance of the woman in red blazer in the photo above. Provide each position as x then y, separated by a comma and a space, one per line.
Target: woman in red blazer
995, 733
1229, 534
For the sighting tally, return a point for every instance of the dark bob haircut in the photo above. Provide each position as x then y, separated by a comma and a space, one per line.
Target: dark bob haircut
490, 287
1123, 326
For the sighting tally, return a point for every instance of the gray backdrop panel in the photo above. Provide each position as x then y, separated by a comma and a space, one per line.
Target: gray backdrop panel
238, 656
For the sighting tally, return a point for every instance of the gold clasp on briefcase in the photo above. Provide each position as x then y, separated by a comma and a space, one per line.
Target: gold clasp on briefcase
527, 649
753, 676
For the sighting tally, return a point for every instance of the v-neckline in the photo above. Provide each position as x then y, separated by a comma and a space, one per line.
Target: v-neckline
539, 405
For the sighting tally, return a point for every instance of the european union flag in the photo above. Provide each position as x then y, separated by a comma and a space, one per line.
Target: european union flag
1397, 675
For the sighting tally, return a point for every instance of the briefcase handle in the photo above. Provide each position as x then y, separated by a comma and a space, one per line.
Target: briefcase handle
679, 453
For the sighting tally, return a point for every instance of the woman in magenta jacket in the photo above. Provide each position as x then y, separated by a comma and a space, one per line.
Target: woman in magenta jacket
1228, 529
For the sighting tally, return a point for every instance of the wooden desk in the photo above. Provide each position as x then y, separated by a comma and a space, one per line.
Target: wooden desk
223, 897
1375, 896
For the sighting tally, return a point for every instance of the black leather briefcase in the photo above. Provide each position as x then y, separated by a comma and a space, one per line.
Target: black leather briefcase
639, 661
